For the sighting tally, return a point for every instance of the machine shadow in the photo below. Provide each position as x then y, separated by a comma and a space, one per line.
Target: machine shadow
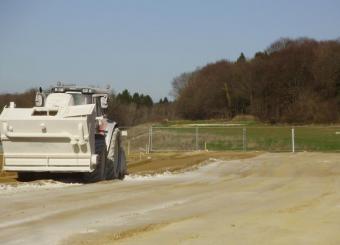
66, 178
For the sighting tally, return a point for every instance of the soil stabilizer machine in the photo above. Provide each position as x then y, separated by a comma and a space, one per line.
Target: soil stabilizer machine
66, 132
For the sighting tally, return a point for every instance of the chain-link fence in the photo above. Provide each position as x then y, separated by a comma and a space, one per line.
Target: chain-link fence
270, 138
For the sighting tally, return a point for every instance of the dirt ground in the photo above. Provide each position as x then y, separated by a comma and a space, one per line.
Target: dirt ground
6, 177
176, 162
160, 162
271, 198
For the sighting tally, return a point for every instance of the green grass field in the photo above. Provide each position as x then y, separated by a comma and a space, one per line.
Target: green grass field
215, 136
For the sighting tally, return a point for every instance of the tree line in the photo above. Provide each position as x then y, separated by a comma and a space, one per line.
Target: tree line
24, 100
292, 81
131, 109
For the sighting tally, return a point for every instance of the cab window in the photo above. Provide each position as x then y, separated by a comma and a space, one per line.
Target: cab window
98, 107
81, 99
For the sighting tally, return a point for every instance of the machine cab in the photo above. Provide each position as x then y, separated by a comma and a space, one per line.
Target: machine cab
63, 96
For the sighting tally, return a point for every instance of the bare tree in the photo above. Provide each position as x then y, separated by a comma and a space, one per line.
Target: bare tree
180, 82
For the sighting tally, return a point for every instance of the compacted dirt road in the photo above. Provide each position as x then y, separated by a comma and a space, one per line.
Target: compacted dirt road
278, 198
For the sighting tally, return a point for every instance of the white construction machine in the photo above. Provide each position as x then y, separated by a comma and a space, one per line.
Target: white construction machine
67, 131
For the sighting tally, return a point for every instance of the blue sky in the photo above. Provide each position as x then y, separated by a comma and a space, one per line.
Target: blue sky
142, 45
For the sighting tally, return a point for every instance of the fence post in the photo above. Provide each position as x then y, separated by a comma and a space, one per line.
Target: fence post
150, 145
196, 133
293, 140
150, 139
128, 147
244, 139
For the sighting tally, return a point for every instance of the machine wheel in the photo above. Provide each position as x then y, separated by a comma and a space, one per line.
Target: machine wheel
122, 164
112, 170
100, 172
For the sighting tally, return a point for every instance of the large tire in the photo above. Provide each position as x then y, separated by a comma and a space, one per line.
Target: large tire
112, 170
122, 164
100, 172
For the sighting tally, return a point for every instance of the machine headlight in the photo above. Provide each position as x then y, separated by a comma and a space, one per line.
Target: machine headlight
87, 91
59, 90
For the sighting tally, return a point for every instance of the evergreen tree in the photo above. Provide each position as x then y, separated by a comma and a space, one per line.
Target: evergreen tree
241, 58
124, 97
136, 98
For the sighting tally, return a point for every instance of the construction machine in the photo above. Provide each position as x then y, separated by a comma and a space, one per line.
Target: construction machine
67, 131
